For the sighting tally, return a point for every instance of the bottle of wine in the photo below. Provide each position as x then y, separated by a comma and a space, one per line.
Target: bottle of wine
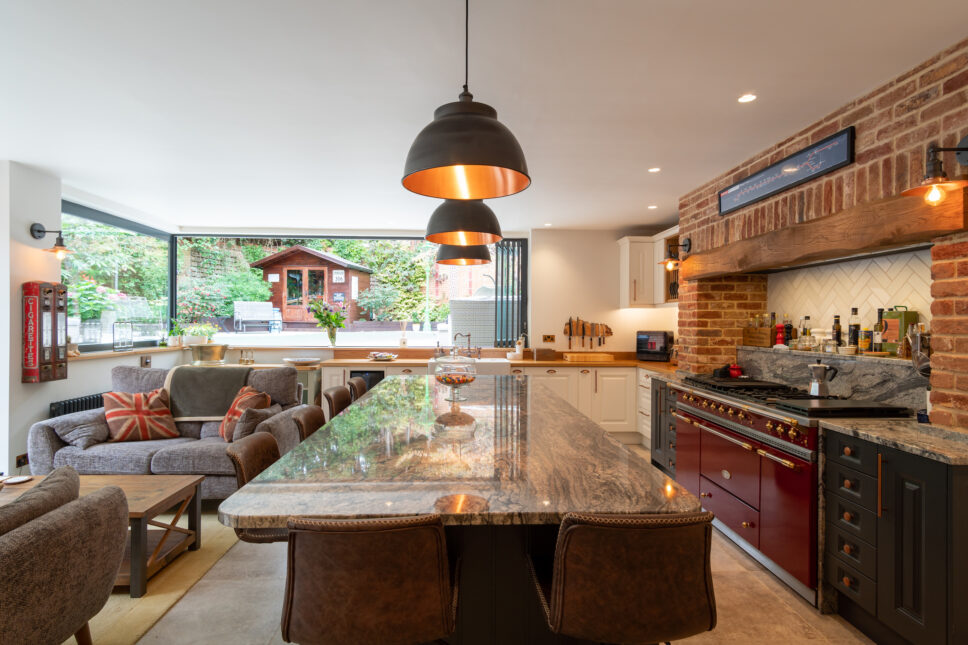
838, 332
877, 345
853, 328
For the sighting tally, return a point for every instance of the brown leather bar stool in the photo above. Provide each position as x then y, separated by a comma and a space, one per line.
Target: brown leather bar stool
383, 580
337, 399
357, 386
309, 419
250, 456
628, 578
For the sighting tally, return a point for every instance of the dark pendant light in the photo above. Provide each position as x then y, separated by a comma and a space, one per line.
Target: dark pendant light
463, 222
465, 152
463, 255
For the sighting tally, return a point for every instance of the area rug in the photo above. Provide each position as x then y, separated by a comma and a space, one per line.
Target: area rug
124, 620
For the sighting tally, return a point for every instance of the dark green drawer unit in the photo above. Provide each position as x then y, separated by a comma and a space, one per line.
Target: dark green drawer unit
896, 531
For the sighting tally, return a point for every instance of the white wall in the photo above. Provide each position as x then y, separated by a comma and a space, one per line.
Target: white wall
576, 273
31, 196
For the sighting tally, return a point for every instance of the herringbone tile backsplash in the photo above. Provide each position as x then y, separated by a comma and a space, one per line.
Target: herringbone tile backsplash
821, 292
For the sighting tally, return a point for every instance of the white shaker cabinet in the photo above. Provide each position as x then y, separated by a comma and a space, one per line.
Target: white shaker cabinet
636, 271
563, 381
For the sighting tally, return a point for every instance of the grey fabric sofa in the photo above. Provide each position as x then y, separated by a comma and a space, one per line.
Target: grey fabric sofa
60, 556
79, 439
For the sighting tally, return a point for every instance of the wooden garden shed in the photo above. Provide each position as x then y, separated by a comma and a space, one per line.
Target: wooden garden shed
299, 275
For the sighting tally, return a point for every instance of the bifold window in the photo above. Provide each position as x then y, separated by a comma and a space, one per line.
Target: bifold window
117, 273
377, 292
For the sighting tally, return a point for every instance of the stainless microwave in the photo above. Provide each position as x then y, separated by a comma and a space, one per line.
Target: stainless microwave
653, 345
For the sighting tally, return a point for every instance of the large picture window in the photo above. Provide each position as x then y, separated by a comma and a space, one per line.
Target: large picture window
386, 289
118, 272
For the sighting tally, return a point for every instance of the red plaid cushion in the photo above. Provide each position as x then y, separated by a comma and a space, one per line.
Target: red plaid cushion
248, 397
140, 416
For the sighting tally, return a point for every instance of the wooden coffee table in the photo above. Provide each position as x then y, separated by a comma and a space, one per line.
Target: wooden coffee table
148, 549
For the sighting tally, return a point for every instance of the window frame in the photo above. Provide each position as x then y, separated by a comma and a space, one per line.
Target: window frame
86, 212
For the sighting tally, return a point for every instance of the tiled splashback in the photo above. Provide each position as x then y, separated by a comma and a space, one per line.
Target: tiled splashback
821, 292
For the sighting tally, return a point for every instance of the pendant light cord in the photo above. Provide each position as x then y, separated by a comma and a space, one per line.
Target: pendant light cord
467, 31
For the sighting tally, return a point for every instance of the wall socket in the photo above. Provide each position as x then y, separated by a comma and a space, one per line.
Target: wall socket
548, 338
145, 360
21, 461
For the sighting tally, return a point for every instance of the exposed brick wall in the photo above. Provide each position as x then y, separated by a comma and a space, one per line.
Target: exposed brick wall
894, 125
949, 363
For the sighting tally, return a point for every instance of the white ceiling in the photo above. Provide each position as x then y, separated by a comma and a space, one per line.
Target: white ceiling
224, 114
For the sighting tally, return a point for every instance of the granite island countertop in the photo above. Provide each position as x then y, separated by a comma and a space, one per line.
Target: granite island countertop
907, 435
525, 454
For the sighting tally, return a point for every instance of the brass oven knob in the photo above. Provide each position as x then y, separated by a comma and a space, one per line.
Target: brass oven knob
847, 549
705, 404
847, 451
848, 517
731, 412
722, 408
740, 415
747, 525
846, 581
769, 425
705, 494
847, 484
792, 433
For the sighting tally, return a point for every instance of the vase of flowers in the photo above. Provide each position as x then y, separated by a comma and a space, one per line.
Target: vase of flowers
329, 316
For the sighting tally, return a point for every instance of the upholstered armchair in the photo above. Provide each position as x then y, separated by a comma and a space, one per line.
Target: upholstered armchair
59, 558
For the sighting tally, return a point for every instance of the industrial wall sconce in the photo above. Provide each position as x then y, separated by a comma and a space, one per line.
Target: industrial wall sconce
935, 185
672, 260
39, 231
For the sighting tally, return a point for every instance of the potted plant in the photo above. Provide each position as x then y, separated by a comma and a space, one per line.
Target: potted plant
175, 334
329, 316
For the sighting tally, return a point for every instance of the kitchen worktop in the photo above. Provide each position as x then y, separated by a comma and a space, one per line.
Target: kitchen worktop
907, 435
653, 366
531, 459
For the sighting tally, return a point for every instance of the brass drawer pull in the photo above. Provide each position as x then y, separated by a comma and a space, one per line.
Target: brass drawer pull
847, 452
552, 371
408, 371
786, 463
516, 371
848, 484
848, 517
746, 525
847, 549
705, 494
586, 371
846, 581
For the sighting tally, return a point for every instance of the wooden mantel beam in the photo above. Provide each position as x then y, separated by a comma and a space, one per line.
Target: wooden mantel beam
882, 225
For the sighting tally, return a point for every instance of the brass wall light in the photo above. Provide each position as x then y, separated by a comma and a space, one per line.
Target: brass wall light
672, 259
38, 231
465, 152
463, 255
935, 185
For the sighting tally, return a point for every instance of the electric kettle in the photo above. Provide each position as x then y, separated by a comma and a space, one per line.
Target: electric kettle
818, 384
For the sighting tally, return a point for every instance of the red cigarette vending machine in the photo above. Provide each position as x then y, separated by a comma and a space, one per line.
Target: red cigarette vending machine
45, 332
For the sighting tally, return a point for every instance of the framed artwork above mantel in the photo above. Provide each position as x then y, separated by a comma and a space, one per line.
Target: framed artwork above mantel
836, 151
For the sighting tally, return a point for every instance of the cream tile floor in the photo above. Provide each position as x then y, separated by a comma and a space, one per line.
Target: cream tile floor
239, 601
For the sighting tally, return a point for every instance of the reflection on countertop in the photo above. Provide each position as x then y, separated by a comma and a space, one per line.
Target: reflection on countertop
531, 457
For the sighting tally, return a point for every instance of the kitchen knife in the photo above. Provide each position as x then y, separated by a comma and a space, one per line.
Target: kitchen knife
569, 331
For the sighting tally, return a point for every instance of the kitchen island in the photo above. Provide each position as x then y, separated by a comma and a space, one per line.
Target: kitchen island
502, 468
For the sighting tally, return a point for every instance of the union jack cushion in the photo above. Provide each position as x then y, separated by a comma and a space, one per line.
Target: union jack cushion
248, 397
139, 416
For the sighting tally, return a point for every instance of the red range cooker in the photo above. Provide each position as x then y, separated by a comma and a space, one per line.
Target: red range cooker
748, 449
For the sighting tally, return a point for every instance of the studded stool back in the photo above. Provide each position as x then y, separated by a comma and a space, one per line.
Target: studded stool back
357, 386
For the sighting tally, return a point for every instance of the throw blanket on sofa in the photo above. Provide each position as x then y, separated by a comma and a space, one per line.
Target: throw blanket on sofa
203, 393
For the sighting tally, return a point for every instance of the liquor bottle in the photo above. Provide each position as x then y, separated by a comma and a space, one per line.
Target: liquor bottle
805, 327
877, 345
838, 332
787, 330
853, 328
772, 320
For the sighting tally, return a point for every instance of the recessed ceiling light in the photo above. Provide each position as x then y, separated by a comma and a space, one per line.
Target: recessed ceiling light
547, 223
652, 207
655, 169
747, 98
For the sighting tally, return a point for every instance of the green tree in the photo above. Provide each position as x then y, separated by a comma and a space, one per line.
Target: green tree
379, 300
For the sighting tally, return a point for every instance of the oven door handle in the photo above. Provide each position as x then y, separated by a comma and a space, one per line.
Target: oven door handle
721, 435
786, 463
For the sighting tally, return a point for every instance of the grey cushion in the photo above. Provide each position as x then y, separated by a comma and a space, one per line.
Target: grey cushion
251, 418
114, 458
57, 489
218, 486
81, 429
126, 378
190, 429
202, 457
278, 382
210, 429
